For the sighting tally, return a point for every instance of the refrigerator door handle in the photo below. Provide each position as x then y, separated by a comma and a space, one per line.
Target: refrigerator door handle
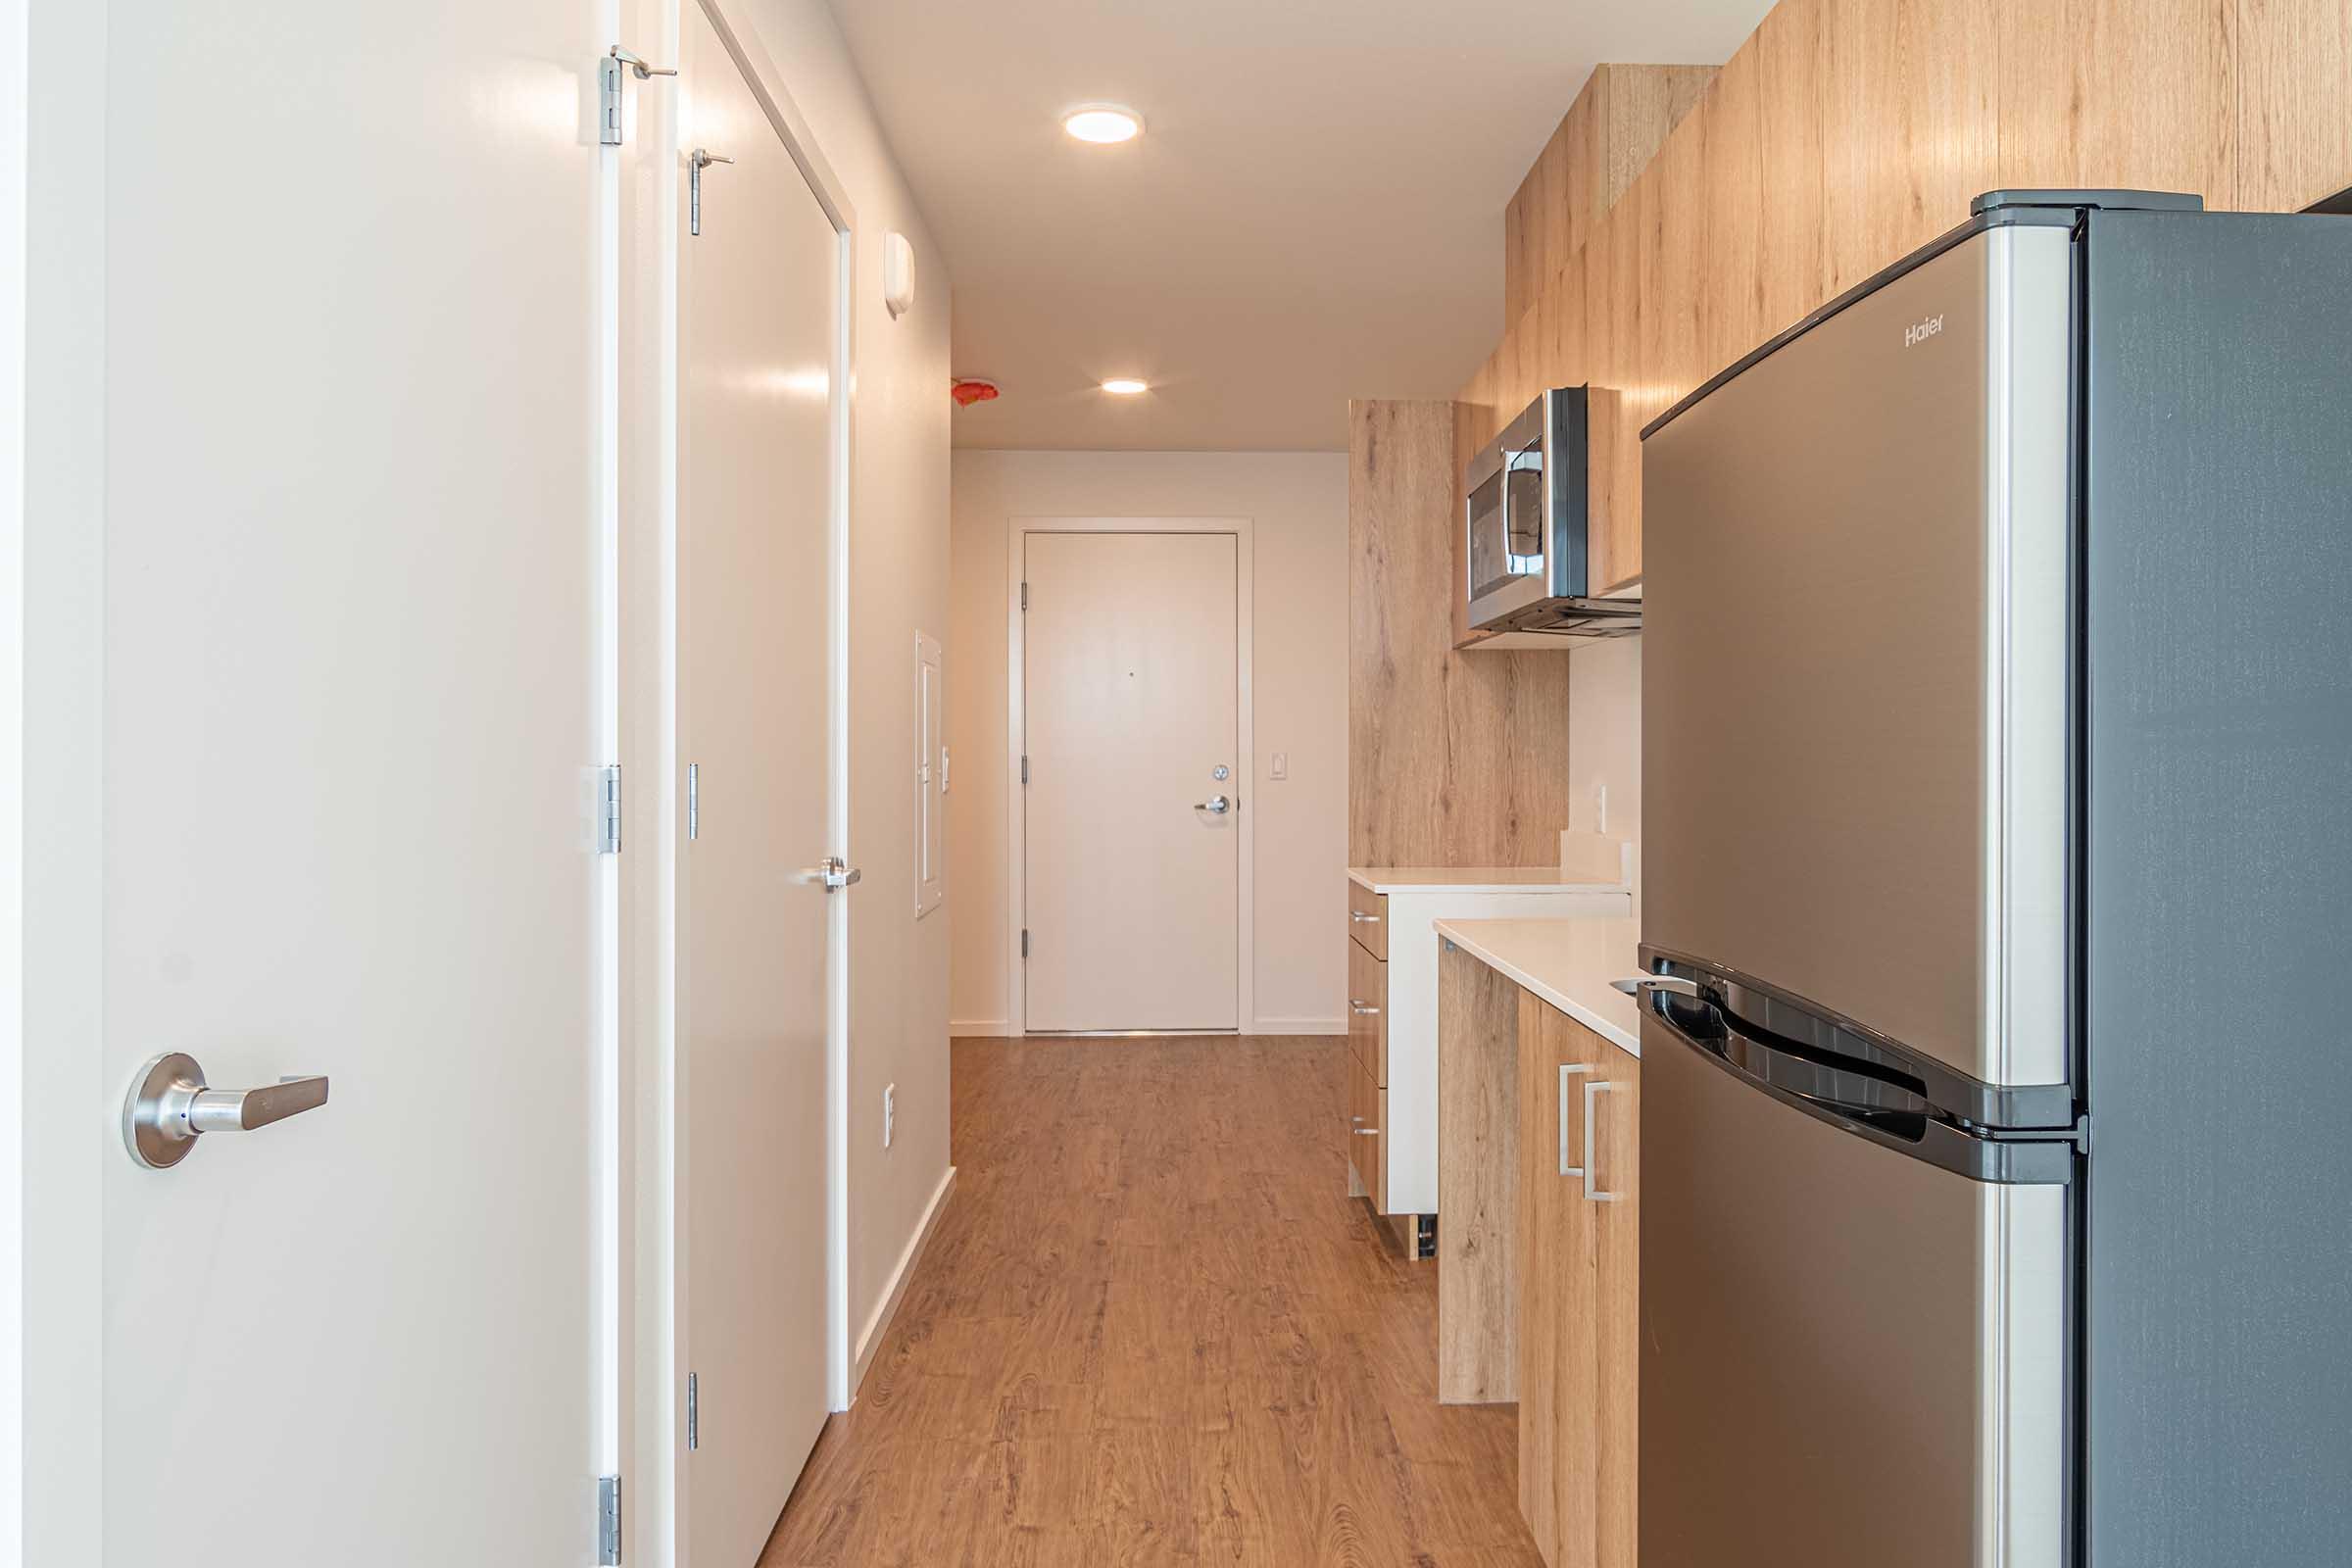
1674, 983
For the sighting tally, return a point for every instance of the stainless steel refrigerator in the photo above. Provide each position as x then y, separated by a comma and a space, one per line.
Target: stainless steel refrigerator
1996, 1112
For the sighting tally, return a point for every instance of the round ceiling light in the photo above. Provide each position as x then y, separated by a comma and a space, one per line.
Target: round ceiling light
1125, 387
1102, 123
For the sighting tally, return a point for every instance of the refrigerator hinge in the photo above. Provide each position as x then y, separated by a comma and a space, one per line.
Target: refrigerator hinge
1024, 767
694, 1403
694, 799
608, 1520
607, 809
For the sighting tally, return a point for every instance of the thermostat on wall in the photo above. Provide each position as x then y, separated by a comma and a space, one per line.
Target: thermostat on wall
898, 273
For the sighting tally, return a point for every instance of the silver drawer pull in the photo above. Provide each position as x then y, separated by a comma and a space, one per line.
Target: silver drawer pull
1361, 919
1593, 1091
1367, 1132
1568, 1071
1364, 1010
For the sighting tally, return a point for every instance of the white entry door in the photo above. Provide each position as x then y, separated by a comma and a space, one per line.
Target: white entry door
351, 718
757, 294
1131, 704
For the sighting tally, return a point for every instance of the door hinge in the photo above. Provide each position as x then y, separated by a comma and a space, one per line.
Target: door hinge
607, 810
694, 799
608, 1519
1024, 767
1025, 942
610, 74
693, 1413
1024, 596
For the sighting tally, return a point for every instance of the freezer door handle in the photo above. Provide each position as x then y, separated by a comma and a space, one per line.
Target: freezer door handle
1673, 984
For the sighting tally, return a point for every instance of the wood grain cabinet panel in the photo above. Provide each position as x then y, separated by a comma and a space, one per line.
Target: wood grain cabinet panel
2294, 138
1368, 918
1453, 758
1910, 124
1760, 146
1369, 1011
1578, 1289
2131, 93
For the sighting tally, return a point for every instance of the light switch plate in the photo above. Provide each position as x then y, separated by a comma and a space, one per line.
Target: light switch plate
1281, 766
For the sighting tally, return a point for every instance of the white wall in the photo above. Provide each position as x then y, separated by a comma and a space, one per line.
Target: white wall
897, 586
1604, 739
1297, 502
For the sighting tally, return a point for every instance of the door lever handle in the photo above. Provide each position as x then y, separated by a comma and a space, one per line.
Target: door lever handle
169, 1106
1214, 805
1656, 982
832, 873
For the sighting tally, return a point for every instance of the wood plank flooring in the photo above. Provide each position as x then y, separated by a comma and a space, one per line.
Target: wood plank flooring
1151, 1329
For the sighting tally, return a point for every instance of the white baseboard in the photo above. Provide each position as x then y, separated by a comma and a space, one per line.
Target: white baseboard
887, 1309
1300, 1026
969, 1028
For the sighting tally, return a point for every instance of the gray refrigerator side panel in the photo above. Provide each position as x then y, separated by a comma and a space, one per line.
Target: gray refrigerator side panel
2218, 1327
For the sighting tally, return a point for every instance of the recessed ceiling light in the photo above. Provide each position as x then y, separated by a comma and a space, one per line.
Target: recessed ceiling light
1125, 387
1105, 123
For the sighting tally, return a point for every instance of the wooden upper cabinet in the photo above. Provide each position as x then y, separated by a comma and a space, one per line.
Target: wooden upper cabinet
2132, 94
1608, 136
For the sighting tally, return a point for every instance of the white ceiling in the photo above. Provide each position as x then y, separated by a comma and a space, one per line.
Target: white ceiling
1314, 212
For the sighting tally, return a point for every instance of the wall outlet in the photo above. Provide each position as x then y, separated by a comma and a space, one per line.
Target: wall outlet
1280, 766
890, 1112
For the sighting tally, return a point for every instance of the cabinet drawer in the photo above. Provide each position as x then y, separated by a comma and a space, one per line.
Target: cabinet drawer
1368, 918
1369, 1011
1367, 1133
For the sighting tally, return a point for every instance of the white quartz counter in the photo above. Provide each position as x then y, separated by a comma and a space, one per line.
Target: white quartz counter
1476, 879
1569, 964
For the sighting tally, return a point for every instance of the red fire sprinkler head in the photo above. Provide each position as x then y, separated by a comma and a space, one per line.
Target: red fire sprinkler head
972, 389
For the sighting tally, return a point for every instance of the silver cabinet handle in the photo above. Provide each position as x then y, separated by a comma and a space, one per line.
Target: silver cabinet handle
1592, 1092
169, 1106
1361, 919
1568, 1071
1214, 805
1367, 1132
832, 873
1362, 1009
1656, 982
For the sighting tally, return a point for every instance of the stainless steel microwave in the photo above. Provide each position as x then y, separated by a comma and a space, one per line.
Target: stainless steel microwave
1523, 511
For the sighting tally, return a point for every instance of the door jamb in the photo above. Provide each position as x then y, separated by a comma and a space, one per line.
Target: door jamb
1017, 830
652, 1347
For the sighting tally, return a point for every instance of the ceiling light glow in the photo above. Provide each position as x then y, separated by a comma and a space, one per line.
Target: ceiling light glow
1102, 123
1121, 386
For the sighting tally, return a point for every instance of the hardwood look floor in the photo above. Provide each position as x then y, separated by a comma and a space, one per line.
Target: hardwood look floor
1151, 1329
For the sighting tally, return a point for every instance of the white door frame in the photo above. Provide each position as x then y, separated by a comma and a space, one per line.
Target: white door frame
648, 414
1016, 817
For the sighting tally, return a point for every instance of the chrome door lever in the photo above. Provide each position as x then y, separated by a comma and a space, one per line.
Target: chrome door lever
832, 873
169, 1106
1656, 982
1214, 805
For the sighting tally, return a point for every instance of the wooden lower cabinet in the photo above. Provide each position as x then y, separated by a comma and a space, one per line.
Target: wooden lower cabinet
1367, 1134
1579, 1289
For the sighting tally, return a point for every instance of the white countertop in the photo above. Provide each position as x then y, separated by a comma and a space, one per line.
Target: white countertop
1476, 879
1569, 964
